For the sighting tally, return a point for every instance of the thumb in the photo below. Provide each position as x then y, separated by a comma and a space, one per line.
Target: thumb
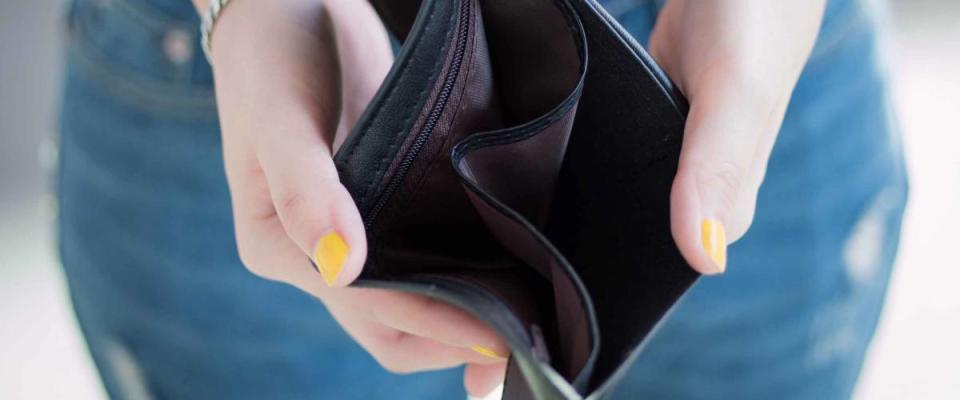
315, 209
729, 134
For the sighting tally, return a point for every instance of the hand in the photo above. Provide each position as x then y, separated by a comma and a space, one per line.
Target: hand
737, 61
292, 76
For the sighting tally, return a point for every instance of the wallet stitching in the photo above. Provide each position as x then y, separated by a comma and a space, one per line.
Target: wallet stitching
466, 79
566, 267
499, 137
409, 115
406, 120
461, 73
496, 138
436, 161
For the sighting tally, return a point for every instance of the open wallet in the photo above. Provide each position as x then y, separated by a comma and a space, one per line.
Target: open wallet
517, 163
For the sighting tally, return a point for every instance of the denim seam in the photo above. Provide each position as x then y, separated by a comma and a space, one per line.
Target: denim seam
177, 98
411, 112
156, 19
146, 94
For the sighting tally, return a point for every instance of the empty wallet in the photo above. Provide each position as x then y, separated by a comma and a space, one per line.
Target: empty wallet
517, 163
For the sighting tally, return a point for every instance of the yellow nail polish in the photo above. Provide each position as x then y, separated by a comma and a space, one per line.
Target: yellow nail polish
714, 238
487, 352
329, 255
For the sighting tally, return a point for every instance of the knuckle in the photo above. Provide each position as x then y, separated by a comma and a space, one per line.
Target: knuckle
304, 215
724, 181
251, 264
292, 205
253, 260
390, 358
752, 81
248, 256
395, 367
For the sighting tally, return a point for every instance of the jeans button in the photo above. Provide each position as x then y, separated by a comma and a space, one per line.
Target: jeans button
178, 46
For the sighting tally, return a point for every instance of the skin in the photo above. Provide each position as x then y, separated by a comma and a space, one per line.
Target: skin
292, 77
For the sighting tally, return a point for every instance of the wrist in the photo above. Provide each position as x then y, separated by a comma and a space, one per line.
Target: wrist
201, 6
224, 30
245, 25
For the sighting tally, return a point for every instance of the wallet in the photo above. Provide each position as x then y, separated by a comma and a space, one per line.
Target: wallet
517, 163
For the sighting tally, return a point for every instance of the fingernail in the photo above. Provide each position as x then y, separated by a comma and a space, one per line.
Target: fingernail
714, 239
486, 351
329, 255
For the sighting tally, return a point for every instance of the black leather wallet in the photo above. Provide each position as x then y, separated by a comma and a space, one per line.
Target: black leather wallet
517, 163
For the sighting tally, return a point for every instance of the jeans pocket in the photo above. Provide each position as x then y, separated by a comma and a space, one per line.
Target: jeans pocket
140, 55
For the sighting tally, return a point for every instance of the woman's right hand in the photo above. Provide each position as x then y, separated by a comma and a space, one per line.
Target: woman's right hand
292, 76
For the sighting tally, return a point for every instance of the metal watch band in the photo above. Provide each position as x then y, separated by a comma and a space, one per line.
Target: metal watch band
207, 22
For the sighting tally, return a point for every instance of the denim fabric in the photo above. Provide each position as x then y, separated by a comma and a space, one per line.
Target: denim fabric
169, 312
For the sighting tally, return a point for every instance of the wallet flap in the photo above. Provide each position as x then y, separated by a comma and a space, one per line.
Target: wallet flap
611, 213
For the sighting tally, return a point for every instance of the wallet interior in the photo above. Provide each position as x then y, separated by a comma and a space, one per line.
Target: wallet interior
461, 170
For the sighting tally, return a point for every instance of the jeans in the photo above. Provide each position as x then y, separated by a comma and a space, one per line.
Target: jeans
169, 312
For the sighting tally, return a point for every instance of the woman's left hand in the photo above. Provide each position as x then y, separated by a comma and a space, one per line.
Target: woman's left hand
738, 62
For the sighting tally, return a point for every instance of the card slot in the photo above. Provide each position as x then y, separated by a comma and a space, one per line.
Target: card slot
575, 328
425, 213
611, 213
510, 176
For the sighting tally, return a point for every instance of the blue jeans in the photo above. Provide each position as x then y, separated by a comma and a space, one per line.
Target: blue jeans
169, 312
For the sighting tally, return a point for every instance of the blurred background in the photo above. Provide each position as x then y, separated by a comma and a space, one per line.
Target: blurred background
916, 354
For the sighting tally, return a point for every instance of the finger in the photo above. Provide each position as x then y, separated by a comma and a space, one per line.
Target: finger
412, 353
315, 209
401, 352
728, 138
424, 316
737, 63
482, 380
283, 115
365, 58
409, 353
262, 242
